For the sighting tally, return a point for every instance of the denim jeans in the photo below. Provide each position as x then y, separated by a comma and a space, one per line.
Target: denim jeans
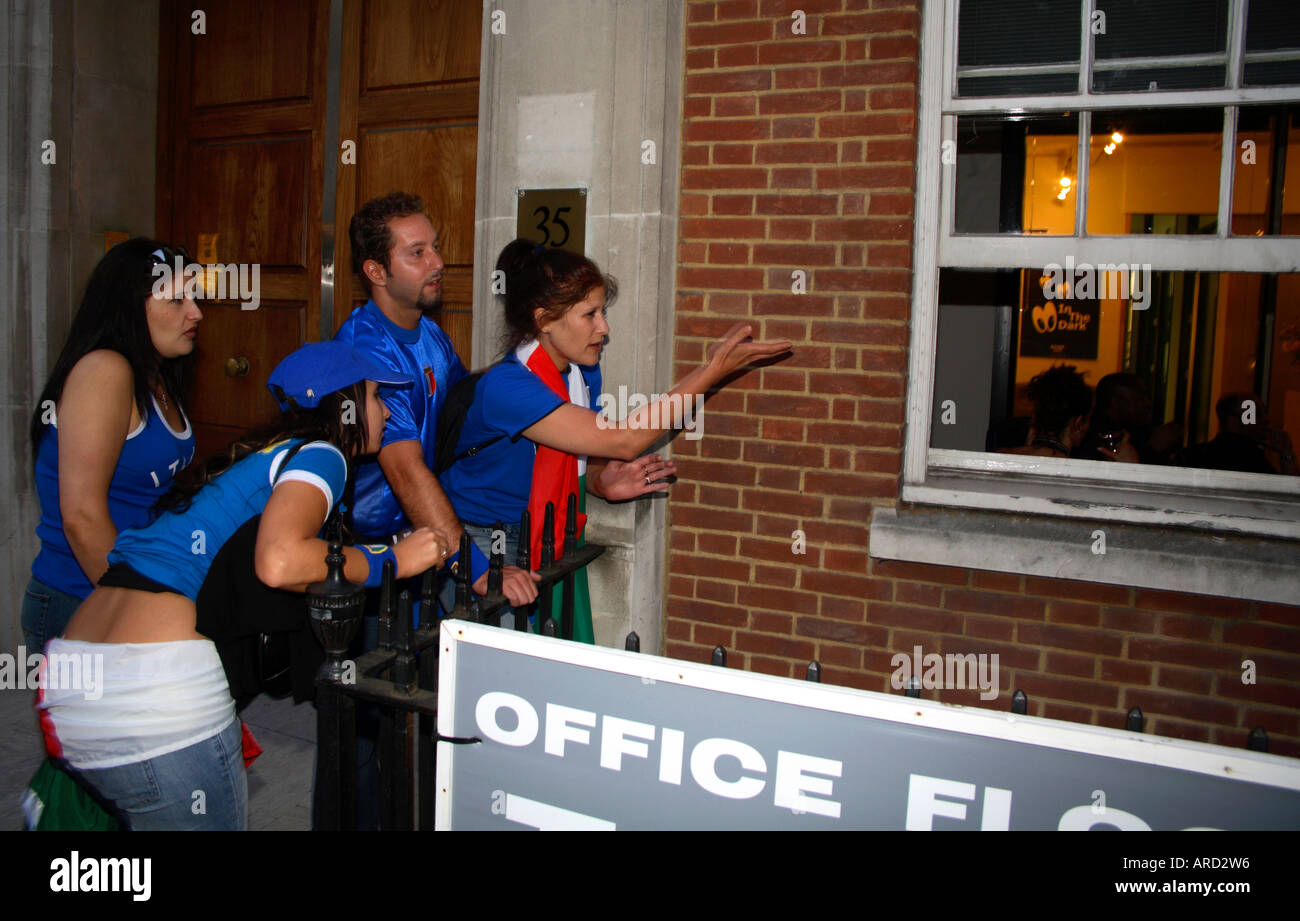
163, 793
46, 612
482, 537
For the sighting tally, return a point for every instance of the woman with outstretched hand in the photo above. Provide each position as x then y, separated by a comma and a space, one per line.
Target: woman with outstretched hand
108, 433
159, 723
532, 434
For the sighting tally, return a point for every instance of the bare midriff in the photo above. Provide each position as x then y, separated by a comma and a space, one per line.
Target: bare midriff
127, 615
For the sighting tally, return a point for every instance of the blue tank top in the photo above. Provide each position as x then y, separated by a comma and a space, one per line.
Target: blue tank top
151, 457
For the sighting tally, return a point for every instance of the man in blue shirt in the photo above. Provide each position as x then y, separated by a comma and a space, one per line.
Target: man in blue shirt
395, 250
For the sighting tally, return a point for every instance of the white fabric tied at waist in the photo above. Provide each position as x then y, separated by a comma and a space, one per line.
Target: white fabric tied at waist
133, 701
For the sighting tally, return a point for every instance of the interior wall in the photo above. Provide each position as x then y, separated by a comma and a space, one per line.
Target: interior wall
83, 76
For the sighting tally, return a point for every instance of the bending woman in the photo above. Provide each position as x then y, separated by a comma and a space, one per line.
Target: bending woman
159, 723
532, 427
108, 434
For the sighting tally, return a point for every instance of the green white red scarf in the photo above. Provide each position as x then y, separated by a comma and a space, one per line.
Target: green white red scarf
555, 473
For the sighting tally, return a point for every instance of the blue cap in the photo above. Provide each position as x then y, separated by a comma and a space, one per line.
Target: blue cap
317, 369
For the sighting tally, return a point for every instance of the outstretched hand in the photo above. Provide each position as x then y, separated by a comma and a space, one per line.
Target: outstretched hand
620, 481
736, 349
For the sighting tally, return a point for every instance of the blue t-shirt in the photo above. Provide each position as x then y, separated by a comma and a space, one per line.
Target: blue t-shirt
178, 549
494, 484
424, 354
151, 456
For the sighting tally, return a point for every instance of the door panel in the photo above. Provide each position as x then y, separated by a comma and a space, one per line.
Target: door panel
416, 44
254, 51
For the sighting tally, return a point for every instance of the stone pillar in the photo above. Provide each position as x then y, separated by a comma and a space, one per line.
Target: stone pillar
570, 93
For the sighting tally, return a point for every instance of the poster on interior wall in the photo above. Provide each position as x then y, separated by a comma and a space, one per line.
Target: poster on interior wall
1054, 321
542, 733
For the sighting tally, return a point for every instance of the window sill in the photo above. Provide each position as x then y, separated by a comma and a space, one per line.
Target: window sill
1146, 556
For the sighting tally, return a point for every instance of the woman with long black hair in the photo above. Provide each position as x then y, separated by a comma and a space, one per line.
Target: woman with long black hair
532, 433
160, 723
108, 433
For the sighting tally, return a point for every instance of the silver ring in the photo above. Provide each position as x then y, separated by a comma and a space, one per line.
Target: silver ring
647, 480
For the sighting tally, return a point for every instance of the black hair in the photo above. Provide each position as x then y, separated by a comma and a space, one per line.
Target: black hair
369, 232
112, 316
546, 278
1060, 394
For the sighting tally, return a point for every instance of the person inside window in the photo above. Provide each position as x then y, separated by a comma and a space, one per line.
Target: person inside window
1245, 443
1062, 408
1124, 407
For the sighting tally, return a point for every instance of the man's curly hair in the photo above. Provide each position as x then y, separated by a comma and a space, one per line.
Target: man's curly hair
368, 229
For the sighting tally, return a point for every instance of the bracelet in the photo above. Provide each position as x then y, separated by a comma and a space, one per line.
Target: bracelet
478, 563
376, 554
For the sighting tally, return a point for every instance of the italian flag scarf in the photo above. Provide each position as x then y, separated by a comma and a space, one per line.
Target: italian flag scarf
556, 475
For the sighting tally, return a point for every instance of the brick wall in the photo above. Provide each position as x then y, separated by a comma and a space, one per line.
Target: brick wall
798, 154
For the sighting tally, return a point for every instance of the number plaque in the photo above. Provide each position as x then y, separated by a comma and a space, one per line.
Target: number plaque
554, 217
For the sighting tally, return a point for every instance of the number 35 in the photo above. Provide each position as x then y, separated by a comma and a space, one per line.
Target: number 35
557, 220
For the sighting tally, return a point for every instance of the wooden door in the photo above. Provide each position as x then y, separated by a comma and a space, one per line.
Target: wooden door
241, 167
242, 107
409, 98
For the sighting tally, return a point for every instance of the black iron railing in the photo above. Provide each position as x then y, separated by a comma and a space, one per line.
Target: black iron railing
400, 676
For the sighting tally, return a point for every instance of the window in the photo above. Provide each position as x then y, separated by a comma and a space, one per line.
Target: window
1112, 185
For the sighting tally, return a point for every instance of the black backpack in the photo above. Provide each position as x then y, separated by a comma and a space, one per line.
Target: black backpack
451, 419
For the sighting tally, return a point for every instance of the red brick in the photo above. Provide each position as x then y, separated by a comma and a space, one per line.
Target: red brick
729, 34
1272, 721
897, 203
998, 581
721, 228
1182, 706
707, 611
1070, 612
729, 81
1128, 620
686, 652
1130, 673
1187, 628
796, 103
731, 129
1143, 649
892, 97
1181, 679
797, 152
993, 628
785, 9
851, 609
1183, 603
728, 253
1064, 663
920, 572
734, 106
780, 576
733, 154
712, 519
775, 646
723, 178
832, 583
868, 280
711, 590
1066, 712
796, 204
771, 623
840, 631
1073, 690
874, 23
770, 666
1278, 613
738, 56
790, 230
1262, 636
713, 636
835, 654
869, 74
894, 615
709, 567
795, 78
787, 254
1071, 590
701, 12
892, 47
737, 9
1094, 641
982, 602
1278, 695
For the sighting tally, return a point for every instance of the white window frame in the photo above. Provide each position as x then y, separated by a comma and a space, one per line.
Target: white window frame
1256, 504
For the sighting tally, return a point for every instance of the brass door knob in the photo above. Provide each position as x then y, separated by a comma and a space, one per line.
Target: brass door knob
237, 367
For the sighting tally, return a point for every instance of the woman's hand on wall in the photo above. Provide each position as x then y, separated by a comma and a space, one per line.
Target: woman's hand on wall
618, 481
